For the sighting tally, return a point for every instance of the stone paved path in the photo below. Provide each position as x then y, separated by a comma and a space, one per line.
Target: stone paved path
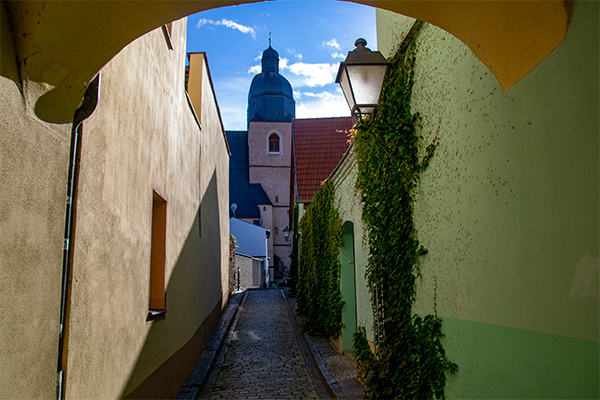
264, 359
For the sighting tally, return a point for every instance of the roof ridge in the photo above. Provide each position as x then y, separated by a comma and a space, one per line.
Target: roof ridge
321, 118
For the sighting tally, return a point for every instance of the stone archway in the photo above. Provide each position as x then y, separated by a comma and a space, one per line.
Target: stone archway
62, 45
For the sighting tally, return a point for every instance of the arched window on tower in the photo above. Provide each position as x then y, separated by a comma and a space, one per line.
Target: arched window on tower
274, 143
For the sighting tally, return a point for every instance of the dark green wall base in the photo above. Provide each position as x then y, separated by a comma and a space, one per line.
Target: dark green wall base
506, 363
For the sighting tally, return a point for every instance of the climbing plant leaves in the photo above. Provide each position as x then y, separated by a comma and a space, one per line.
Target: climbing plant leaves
409, 361
318, 291
294, 254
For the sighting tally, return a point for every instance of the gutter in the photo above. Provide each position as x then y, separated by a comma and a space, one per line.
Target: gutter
90, 100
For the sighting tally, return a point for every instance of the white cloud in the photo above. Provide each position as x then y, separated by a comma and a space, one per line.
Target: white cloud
283, 63
319, 74
228, 24
320, 105
239, 27
301, 74
294, 53
232, 94
338, 55
308, 74
204, 21
332, 43
321, 95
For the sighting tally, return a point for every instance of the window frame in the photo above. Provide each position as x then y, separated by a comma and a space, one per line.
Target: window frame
157, 291
279, 141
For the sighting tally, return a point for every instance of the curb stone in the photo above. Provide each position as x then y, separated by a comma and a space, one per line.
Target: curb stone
345, 389
319, 379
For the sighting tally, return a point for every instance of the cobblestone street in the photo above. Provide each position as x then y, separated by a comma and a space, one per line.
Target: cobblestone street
264, 358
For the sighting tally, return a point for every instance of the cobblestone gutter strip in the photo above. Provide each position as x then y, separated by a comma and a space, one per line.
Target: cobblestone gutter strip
312, 352
192, 389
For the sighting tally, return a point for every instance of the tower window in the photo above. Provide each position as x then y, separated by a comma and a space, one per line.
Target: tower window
274, 143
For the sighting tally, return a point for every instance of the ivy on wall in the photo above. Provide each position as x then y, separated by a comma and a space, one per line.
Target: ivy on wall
294, 255
318, 291
233, 281
409, 361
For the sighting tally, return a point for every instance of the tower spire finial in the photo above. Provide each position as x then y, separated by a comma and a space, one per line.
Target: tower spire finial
269, 39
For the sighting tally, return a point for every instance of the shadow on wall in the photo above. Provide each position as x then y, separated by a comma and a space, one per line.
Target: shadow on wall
8, 65
194, 304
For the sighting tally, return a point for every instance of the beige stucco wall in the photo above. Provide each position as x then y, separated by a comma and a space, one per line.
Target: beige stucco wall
214, 181
34, 158
214, 185
143, 136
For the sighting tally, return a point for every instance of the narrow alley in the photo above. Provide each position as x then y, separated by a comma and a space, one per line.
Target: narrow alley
265, 355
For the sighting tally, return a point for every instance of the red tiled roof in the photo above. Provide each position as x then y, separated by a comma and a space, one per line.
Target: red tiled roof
320, 144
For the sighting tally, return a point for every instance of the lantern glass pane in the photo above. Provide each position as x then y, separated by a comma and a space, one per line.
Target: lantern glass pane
346, 88
366, 81
366, 109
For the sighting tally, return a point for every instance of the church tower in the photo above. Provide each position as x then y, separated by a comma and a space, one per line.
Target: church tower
271, 109
270, 97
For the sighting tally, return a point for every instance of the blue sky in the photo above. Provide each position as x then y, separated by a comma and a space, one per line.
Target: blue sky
311, 36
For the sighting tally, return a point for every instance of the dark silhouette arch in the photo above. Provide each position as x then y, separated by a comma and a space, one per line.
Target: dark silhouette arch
65, 44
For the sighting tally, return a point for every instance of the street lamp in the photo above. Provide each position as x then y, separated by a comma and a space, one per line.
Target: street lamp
286, 233
361, 77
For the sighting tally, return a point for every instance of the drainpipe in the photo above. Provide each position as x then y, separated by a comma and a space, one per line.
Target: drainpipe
90, 100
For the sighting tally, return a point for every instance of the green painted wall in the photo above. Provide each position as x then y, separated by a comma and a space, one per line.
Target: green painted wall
509, 210
497, 362
349, 207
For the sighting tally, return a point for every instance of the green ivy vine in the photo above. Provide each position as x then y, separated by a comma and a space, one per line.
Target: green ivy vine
409, 361
294, 255
318, 291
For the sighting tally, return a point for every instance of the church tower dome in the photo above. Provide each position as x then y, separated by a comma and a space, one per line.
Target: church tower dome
270, 98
